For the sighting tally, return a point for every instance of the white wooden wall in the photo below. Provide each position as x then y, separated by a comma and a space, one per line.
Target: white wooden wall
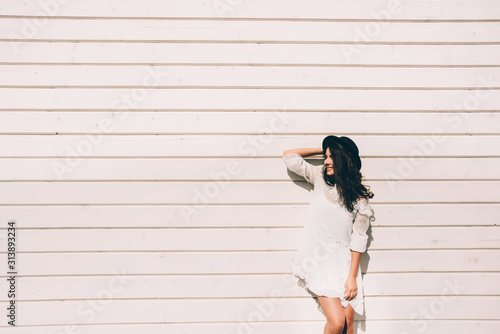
118, 117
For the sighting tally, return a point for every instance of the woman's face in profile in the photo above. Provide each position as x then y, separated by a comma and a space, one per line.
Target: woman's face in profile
328, 162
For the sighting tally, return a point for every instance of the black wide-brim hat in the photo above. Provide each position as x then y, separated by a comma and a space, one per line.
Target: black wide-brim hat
345, 142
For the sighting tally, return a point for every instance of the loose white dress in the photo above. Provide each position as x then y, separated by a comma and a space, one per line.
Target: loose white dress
324, 257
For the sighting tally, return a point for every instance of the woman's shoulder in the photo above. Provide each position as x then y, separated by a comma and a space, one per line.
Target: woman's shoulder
318, 171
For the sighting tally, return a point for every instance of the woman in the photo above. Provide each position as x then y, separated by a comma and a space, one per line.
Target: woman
327, 264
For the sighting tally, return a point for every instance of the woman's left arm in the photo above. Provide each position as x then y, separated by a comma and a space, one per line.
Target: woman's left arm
351, 287
359, 239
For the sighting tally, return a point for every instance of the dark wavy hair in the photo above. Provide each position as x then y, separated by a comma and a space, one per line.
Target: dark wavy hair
346, 176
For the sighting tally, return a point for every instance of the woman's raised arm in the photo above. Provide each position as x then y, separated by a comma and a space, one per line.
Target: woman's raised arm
305, 151
295, 162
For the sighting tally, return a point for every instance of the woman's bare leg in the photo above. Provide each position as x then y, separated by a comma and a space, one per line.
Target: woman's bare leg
349, 314
334, 312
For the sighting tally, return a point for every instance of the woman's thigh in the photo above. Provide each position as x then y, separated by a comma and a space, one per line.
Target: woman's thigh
333, 310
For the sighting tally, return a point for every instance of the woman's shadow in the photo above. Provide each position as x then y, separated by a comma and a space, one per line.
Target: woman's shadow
364, 264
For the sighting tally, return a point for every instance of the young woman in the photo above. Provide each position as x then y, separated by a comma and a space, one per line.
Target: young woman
328, 260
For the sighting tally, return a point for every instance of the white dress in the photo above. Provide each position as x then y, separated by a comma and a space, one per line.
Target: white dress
324, 257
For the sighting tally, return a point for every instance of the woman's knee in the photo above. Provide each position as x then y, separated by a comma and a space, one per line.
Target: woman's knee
335, 326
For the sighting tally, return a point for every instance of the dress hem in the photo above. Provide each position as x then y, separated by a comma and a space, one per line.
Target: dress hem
357, 304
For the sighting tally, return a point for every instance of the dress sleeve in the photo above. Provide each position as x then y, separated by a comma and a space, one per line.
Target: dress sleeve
297, 164
363, 215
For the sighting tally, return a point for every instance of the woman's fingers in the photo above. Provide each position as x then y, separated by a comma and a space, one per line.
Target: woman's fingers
351, 294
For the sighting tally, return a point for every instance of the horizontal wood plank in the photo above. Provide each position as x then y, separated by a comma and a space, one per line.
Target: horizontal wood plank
225, 99
245, 239
232, 310
114, 75
323, 55
172, 169
256, 286
255, 30
282, 9
147, 122
253, 262
167, 216
432, 326
201, 194
74, 149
